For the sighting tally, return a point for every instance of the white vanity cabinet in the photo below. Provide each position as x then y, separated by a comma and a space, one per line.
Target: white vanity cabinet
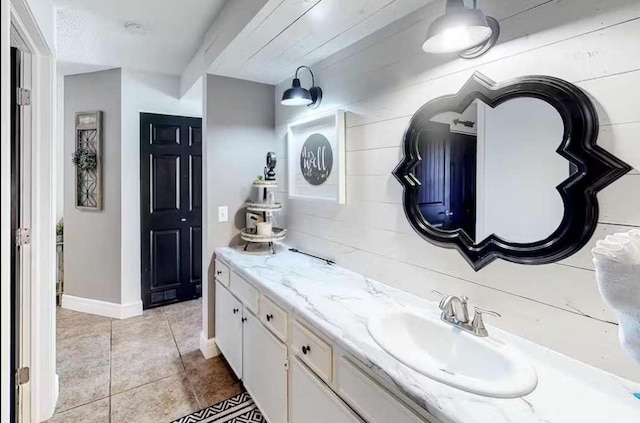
265, 369
253, 352
293, 372
229, 311
312, 401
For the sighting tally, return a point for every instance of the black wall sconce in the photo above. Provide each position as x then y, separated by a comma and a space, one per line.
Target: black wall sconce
298, 96
463, 30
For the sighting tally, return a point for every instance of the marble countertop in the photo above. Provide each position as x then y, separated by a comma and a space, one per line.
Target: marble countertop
338, 303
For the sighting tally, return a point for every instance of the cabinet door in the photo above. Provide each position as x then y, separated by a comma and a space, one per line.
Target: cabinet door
264, 369
311, 401
229, 327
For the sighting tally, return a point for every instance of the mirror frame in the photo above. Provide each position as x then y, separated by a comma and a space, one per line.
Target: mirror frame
597, 168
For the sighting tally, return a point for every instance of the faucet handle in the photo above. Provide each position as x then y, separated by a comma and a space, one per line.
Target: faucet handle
481, 311
477, 324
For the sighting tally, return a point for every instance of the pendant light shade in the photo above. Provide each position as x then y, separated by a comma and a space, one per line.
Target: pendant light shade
460, 29
298, 96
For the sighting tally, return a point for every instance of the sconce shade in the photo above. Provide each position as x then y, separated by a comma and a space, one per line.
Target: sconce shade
296, 95
459, 29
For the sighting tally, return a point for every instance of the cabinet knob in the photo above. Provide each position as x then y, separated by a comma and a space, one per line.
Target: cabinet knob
235, 311
244, 319
306, 349
218, 272
269, 317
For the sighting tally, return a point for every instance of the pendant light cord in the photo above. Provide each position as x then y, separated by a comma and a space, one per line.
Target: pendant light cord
313, 82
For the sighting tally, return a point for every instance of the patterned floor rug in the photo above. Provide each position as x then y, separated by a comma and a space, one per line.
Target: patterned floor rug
238, 409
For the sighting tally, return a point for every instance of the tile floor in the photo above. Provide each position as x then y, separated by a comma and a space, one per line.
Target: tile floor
143, 369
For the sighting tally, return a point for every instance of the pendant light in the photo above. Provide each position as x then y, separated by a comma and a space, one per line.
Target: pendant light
299, 96
462, 30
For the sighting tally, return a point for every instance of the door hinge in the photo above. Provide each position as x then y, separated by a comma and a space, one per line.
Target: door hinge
23, 97
22, 376
286, 364
23, 236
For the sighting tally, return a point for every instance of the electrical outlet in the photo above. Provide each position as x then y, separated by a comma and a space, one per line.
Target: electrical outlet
223, 214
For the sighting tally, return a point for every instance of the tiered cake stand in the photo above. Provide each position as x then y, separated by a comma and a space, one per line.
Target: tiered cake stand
267, 211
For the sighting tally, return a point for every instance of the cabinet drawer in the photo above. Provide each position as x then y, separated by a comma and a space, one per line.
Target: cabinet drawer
369, 399
311, 401
316, 353
245, 292
273, 317
222, 273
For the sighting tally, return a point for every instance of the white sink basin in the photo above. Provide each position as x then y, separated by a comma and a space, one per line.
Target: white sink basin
449, 355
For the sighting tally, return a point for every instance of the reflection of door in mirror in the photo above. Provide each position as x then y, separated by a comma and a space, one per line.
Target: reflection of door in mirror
493, 170
448, 173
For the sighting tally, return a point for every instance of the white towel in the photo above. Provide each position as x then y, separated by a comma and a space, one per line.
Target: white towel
617, 264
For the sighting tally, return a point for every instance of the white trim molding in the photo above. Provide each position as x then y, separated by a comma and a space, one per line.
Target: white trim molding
208, 346
102, 308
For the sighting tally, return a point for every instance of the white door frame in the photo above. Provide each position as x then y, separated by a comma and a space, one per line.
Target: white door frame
41, 395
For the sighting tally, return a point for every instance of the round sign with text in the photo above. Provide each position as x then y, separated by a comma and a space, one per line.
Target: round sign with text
316, 159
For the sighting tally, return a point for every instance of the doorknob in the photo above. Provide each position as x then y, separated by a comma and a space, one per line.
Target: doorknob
446, 213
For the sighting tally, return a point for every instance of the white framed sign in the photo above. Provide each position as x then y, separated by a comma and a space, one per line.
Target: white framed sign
316, 156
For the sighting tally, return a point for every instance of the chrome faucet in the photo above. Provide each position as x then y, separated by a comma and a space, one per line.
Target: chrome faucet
455, 311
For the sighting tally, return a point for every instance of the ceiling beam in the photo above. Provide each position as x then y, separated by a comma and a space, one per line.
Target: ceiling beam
231, 21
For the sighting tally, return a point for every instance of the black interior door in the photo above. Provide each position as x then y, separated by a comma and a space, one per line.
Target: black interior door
462, 186
447, 172
171, 208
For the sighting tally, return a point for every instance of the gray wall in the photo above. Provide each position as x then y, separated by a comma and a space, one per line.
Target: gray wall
239, 121
92, 238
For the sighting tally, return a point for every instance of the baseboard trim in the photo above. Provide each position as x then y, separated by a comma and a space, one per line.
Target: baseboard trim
102, 308
208, 346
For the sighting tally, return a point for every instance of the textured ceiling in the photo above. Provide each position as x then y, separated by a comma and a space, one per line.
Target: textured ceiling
92, 33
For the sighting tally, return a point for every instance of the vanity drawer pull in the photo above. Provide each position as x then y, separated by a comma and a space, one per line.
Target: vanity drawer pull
274, 317
235, 311
245, 292
306, 342
222, 273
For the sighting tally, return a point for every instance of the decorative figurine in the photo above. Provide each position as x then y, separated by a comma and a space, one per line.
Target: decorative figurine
269, 172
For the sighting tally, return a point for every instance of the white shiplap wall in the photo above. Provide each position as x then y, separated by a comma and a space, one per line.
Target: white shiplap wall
383, 79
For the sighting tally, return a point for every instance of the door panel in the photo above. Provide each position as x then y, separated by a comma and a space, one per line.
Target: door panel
196, 254
171, 208
263, 369
165, 183
195, 136
165, 258
228, 315
164, 134
195, 183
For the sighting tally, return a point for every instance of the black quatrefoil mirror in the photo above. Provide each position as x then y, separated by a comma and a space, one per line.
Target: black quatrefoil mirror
507, 170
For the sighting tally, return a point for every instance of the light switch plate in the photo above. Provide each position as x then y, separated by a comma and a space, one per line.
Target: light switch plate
223, 214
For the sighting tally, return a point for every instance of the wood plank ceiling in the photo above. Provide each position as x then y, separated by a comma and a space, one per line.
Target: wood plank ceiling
289, 33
